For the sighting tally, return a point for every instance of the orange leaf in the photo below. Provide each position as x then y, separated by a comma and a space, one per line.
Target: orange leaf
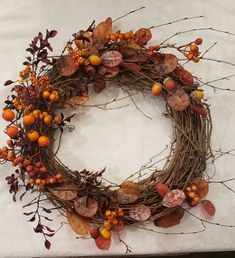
79, 224
209, 207
64, 192
162, 189
129, 192
202, 187
86, 207
130, 66
103, 243
78, 100
171, 219
179, 100
102, 29
142, 36
185, 76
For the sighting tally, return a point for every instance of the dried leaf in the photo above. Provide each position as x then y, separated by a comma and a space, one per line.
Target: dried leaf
142, 36
174, 198
185, 76
131, 66
8, 82
199, 110
202, 187
94, 232
65, 191
166, 64
52, 33
78, 100
129, 192
79, 224
103, 243
111, 58
140, 213
178, 100
171, 219
99, 85
137, 58
66, 66
162, 189
86, 207
102, 29
209, 207
119, 227
47, 244
108, 72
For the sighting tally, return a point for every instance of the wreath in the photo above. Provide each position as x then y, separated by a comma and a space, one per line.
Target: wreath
92, 58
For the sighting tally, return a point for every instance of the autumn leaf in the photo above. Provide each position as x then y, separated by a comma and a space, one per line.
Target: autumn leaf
171, 219
129, 192
94, 232
142, 36
202, 187
79, 224
131, 66
86, 207
209, 207
47, 244
137, 58
65, 191
140, 213
99, 85
165, 64
103, 243
8, 82
102, 29
173, 198
185, 76
66, 66
78, 100
199, 110
162, 189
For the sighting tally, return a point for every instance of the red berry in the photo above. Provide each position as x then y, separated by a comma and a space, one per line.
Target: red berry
43, 169
29, 168
198, 41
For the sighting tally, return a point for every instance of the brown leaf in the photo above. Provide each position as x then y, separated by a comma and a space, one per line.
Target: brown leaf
99, 85
137, 58
66, 66
209, 207
185, 76
103, 243
108, 72
131, 66
78, 100
171, 219
102, 29
79, 224
142, 36
140, 213
199, 110
167, 64
94, 232
119, 227
47, 244
202, 187
162, 189
179, 100
86, 207
129, 192
64, 192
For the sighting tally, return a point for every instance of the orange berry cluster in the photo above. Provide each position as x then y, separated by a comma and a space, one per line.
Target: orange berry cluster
25, 72
191, 194
118, 36
112, 218
51, 95
192, 51
44, 82
77, 55
152, 49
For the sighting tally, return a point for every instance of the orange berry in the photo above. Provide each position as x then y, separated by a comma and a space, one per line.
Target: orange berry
115, 222
33, 136
191, 195
196, 59
41, 116
29, 168
94, 59
31, 181
56, 119
196, 199
52, 180
193, 48
5, 149
194, 188
26, 162
53, 97
47, 119
43, 169
108, 213
188, 189
116, 35
156, 89
43, 141
190, 56
120, 36
107, 224
10, 143
38, 181
169, 84
29, 119
46, 94
43, 182
44, 113
12, 131
8, 115
107, 37
112, 37
58, 176
10, 155
36, 113
120, 212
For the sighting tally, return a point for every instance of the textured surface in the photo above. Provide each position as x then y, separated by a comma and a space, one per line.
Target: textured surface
123, 139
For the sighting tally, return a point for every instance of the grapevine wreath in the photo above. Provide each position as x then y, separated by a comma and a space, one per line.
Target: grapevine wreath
50, 83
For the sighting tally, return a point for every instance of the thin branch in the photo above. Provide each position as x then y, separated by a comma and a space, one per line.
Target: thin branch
133, 11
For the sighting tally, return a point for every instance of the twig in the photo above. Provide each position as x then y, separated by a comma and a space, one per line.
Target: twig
133, 11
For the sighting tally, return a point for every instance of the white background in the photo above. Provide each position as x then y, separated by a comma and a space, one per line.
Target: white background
123, 139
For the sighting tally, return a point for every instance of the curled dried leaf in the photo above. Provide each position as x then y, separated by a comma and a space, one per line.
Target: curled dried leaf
142, 36
140, 213
129, 192
185, 76
131, 66
79, 224
171, 219
199, 110
166, 63
102, 29
202, 187
108, 72
86, 207
99, 85
66, 66
78, 100
178, 100
64, 191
